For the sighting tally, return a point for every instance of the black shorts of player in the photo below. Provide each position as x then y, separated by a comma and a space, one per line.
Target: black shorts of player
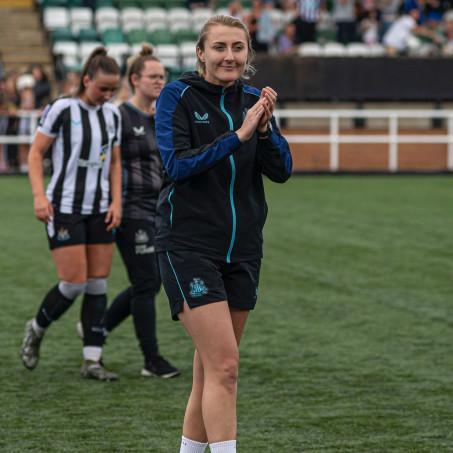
135, 241
76, 229
201, 280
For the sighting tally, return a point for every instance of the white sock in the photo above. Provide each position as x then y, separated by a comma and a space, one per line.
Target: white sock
192, 446
37, 328
227, 446
92, 353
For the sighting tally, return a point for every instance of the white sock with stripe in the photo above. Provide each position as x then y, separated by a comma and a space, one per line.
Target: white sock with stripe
92, 353
227, 446
192, 446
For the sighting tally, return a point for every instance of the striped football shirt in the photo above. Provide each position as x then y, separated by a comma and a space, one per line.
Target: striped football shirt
81, 153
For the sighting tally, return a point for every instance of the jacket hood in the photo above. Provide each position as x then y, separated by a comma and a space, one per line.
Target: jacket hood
195, 80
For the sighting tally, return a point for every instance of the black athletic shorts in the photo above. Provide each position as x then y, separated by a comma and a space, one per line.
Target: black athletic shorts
75, 229
200, 280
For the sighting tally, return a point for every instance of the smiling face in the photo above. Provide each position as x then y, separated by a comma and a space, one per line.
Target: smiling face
224, 54
151, 80
100, 88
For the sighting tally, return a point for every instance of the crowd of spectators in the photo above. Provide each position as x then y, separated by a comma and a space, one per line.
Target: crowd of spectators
421, 27
19, 93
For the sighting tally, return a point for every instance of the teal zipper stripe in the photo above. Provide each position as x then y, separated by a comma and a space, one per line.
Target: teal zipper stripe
233, 177
233, 209
171, 206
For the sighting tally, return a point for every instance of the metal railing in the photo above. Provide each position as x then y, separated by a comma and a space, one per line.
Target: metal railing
333, 137
393, 138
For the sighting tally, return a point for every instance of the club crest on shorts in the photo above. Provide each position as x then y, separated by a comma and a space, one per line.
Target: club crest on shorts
63, 234
141, 237
198, 288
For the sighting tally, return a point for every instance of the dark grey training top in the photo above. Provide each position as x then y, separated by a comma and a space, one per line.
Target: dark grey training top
142, 165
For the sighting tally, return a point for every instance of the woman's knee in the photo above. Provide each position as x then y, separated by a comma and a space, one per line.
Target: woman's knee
226, 371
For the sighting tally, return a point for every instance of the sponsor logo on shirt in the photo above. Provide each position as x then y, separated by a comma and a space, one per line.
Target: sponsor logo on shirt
139, 131
201, 119
86, 163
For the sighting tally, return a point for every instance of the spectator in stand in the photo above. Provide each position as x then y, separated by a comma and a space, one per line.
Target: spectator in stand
389, 13
344, 15
252, 21
11, 101
447, 48
434, 11
25, 88
369, 27
235, 9
70, 84
194, 4
289, 8
306, 21
10, 88
42, 87
286, 41
4, 114
398, 37
266, 32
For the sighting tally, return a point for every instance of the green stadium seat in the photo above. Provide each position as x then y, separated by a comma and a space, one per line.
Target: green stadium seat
104, 3
222, 3
75, 4
185, 35
88, 35
151, 3
62, 34
121, 4
112, 35
75, 67
173, 74
137, 36
161, 36
323, 36
53, 3
169, 4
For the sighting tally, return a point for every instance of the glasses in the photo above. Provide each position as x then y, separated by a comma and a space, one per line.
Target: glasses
155, 77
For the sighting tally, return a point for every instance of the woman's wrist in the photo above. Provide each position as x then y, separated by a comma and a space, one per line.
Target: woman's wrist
263, 130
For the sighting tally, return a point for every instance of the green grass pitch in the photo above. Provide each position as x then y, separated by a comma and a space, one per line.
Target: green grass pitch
350, 348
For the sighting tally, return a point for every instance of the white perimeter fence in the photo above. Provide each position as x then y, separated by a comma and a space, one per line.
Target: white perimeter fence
333, 137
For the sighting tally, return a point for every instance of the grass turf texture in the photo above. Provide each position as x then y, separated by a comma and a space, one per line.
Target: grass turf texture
349, 350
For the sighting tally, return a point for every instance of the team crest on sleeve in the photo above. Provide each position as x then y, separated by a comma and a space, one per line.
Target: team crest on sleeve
198, 288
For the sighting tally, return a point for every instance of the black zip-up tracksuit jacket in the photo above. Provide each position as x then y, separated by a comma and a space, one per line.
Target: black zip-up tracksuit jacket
212, 201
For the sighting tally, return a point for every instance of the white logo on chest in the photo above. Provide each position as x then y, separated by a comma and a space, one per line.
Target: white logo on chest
139, 131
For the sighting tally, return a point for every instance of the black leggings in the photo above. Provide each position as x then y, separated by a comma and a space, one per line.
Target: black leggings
135, 239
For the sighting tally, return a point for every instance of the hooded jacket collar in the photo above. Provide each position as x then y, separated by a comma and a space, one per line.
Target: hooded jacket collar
195, 80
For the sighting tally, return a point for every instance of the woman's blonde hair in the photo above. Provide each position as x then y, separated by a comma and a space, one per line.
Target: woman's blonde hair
228, 21
97, 61
136, 64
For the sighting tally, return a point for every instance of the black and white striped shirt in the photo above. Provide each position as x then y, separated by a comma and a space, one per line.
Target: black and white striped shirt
81, 154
